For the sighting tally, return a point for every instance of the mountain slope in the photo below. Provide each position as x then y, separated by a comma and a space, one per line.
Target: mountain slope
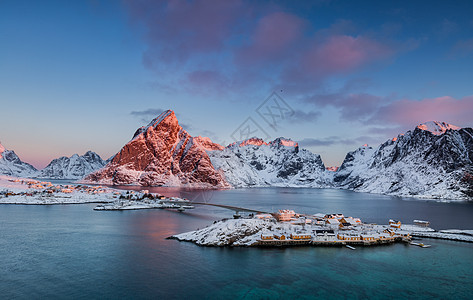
162, 153
74, 167
254, 162
11, 164
432, 161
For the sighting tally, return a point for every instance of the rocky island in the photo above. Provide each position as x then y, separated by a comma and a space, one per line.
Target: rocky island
286, 228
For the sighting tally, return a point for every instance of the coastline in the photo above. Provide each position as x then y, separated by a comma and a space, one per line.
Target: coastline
251, 233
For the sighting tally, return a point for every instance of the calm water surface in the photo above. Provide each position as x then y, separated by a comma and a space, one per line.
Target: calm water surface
71, 251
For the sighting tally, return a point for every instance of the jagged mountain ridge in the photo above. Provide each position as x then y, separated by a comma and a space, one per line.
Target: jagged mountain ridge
432, 161
11, 164
254, 162
74, 167
162, 153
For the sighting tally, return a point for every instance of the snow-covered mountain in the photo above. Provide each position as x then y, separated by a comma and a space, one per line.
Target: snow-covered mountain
11, 164
74, 167
254, 162
432, 161
162, 153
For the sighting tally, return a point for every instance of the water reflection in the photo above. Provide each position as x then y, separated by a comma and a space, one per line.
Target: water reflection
73, 251
370, 207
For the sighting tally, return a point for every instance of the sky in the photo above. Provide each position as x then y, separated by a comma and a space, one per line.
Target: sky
331, 75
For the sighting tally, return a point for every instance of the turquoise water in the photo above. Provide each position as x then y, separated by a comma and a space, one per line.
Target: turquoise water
71, 251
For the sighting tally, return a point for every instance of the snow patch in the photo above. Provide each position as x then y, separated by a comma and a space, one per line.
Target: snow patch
437, 128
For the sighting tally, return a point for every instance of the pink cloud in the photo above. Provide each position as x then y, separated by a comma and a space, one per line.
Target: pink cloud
396, 114
334, 55
343, 53
253, 45
273, 36
410, 112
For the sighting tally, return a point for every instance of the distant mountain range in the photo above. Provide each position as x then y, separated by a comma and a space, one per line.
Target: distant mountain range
11, 164
74, 167
432, 161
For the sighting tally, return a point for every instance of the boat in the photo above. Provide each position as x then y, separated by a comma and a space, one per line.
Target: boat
422, 245
422, 223
350, 247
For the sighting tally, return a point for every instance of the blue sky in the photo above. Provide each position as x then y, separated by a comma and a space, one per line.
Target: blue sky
82, 75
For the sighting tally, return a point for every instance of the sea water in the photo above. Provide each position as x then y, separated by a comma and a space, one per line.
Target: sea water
72, 251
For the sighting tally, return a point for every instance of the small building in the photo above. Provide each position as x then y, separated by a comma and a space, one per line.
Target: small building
323, 235
267, 236
351, 220
285, 215
279, 236
403, 233
334, 216
334, 222
344, 225
301, 236
348, 237
263, 216
395, 223
368, 237
300, 221
385, 237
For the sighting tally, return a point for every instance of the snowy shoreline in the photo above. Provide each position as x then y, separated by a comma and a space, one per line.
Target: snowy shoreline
250, 232
33, 192
21, 191
444, 235
7, 183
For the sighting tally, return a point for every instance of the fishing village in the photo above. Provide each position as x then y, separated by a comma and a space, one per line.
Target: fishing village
288, 228
248, 227
331, 229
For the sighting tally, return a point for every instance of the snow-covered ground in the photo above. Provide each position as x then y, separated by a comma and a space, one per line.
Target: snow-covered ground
75, 198
13, 183
247, 232
29, 191
15, 190
462, 236
125, 204
416, 228
235, 232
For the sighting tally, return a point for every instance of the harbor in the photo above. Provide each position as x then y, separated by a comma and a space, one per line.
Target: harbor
287, 228
330, 230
